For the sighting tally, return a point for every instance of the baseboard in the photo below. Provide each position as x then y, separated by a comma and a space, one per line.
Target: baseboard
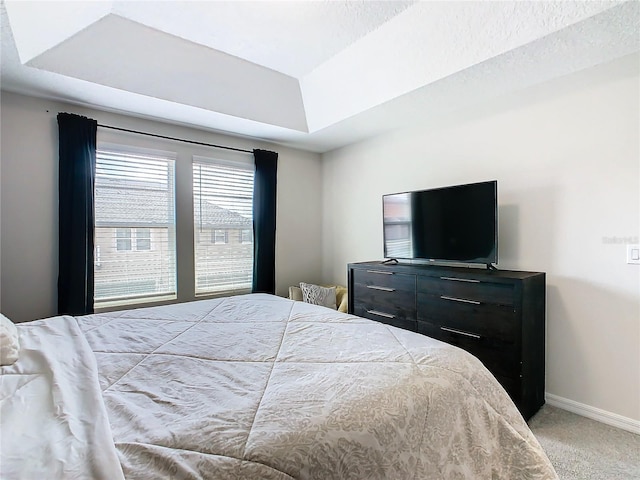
593, 413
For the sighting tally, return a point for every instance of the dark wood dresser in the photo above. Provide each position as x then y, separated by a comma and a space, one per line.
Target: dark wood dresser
497, 315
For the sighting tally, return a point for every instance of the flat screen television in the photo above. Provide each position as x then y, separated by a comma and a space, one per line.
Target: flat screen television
450, 224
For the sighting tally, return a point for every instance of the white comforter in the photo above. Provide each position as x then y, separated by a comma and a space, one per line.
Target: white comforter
255, 387
54, 423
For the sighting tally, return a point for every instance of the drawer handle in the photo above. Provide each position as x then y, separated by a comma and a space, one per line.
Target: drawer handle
462, 300
381, 314
381, 272
469, 280
460, 332
384, 289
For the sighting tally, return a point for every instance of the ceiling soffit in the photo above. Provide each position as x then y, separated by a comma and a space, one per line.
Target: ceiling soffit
405, 57
149, 62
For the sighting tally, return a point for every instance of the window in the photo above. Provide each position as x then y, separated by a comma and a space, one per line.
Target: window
143, 239
246, 236
123, 239
219, 236
222, 203
134, 193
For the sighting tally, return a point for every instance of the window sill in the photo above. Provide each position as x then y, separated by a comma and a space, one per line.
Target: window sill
122, 304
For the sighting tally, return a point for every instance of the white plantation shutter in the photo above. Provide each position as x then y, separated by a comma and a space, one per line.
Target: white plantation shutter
135, 257
223, 225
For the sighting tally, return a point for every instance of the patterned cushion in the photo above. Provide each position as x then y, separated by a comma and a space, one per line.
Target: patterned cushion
317, 295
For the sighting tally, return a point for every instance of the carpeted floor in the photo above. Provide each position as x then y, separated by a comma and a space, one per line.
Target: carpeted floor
583, 449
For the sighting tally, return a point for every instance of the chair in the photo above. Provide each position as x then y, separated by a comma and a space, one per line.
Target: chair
341, 296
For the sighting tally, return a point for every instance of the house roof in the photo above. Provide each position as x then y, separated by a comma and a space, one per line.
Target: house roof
215, 216
118, 207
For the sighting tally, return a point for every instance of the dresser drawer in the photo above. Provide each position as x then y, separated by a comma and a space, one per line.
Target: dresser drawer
484, 319
383, 314
500, 358
383, 281
396, 303
471, 290
513, 386
386, 297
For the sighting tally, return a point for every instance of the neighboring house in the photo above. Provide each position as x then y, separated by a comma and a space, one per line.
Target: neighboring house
397, 226
223, 248
144, 251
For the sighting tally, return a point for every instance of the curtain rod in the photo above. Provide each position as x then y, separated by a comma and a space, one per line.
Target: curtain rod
176, 139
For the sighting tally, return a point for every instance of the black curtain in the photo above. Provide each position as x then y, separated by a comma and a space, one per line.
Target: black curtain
77, 171
264, 221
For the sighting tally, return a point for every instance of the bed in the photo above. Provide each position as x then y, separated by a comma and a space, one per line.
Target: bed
253, 387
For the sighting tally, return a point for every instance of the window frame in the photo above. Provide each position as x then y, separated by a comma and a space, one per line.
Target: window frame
185, 233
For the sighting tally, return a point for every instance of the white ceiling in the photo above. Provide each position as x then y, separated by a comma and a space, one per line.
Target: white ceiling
316, 75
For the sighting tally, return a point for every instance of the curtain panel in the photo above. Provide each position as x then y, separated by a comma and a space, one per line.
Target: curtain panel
264, 221
77, 171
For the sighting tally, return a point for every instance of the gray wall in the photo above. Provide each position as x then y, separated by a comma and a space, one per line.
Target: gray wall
28, 201
567, 159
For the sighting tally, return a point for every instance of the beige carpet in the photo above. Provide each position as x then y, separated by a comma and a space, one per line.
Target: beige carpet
583, 449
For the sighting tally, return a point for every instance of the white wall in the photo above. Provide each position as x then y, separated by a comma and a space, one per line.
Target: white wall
567, 159
28, 201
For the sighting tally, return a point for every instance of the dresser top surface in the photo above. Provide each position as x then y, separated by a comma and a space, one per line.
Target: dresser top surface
434, 270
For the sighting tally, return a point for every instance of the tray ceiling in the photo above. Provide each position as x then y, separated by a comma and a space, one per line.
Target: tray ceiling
312, 74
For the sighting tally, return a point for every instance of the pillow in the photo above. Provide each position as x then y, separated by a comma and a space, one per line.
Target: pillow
9, 343
317, 295
295, 294
342, 299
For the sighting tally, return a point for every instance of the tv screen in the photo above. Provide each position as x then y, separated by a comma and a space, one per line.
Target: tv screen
454, 224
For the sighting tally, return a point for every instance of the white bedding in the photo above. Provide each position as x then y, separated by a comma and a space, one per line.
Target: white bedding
54, 422
256, 387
